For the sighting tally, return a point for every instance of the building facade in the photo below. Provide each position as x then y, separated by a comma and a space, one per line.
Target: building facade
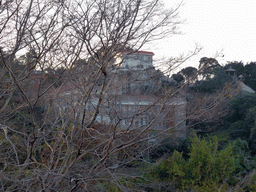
135, 100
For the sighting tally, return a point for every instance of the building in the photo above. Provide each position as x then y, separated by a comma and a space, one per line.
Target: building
240, 85
138, 60
137, 98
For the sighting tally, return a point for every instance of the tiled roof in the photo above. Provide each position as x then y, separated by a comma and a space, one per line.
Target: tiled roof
244, 87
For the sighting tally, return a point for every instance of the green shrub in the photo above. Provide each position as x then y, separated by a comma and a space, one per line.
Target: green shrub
206, 169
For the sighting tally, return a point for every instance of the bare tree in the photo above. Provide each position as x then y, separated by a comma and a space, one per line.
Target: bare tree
74, 130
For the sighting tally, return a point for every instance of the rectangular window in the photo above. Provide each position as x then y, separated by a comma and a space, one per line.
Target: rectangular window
128, 87
126, 121
143, 121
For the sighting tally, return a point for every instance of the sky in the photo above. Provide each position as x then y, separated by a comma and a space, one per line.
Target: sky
221, 27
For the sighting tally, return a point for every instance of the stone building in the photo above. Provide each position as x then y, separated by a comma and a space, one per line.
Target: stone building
142, 97
137, 98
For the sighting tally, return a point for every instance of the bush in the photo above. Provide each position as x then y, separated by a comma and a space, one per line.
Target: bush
206, 169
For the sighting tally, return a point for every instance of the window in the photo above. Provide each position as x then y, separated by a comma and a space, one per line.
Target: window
128, 87
126, 121
143, 121
115, 120
140, 66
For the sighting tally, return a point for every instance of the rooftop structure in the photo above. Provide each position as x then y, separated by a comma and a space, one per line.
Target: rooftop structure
230, 71
139, 60
244, 88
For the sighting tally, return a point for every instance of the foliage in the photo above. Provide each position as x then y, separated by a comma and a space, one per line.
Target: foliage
241, 120
178, 77
247, 72
206, 169
244, 162
211, 166
207, 65
166, 149
189, 73
213, 82
253, 139
252, 183
238, 66
250, 75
